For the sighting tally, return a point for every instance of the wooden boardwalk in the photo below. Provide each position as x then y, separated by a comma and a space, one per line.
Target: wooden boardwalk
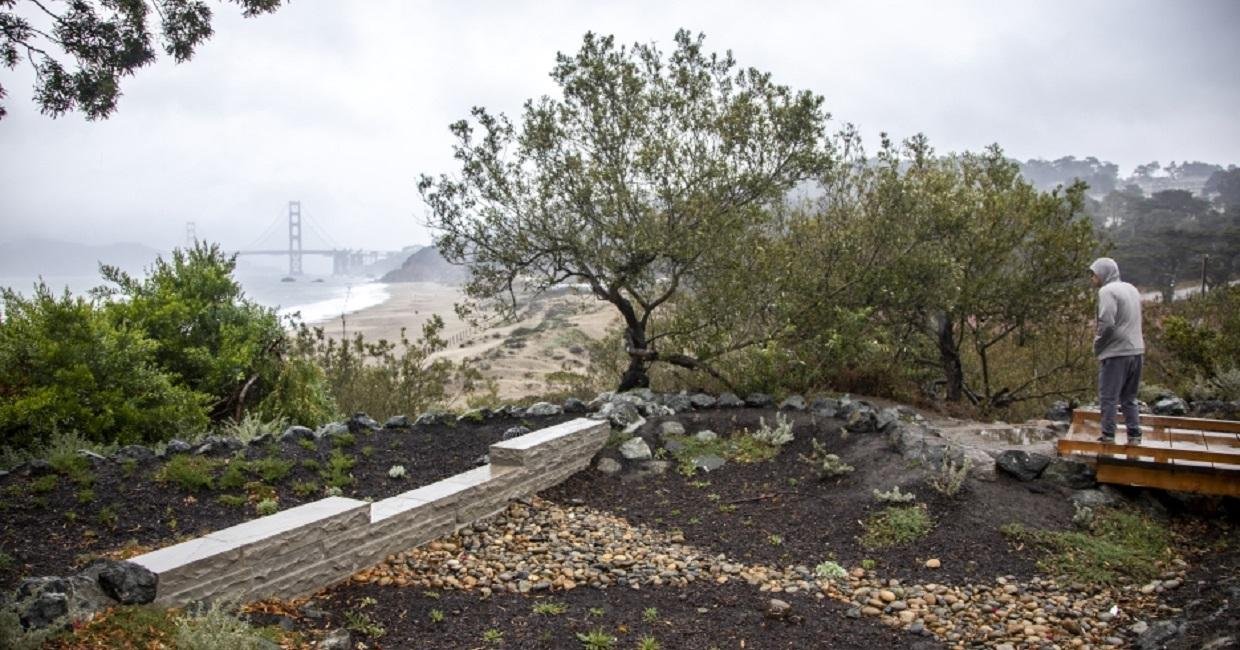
1182, 454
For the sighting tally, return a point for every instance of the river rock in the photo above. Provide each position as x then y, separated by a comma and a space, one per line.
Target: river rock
706, 436
1070, 473
702, 400
608, 465
760, 401
398, 422
543, 409
1022, 464
361, 423
729, 401
134, 452
679, 403
635, 448
574, 405
295, 433
793, 403
825, 407
708, 462
671, 428
176, 446
1169, 405
513, 432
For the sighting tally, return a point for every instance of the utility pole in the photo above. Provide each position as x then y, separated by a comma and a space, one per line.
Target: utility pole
294, 238
1205, 261
191, 237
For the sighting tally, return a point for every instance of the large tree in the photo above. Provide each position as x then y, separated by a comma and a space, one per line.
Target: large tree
647, 174
80, 49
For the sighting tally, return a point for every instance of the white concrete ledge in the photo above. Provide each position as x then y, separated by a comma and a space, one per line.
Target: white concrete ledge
309, 547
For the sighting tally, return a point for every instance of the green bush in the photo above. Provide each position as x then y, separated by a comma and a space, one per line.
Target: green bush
193, 473
896, 525
214, 628
64, 366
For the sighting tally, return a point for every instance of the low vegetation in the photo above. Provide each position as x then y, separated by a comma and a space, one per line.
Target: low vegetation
1115, 546
895, 526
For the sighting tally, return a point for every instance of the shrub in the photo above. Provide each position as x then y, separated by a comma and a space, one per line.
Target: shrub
950, 477
830, 571
827, 465
64, 366
216, 627
271, 470
231, 500
779, 436
305, 488
192, 473
266, 507
396, 471
894, 495
896, 525
336, 474
253, 425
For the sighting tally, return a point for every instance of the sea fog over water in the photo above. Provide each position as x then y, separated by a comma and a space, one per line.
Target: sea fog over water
317, 298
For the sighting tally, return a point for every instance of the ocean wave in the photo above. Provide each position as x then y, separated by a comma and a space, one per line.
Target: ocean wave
351, 299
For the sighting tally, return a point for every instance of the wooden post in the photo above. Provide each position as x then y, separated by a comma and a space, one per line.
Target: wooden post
1205, 261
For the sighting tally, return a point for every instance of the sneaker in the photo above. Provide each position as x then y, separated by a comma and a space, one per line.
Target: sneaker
1134, 440
1107, 439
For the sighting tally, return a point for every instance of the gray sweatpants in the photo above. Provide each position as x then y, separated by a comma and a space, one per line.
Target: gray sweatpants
1118, 379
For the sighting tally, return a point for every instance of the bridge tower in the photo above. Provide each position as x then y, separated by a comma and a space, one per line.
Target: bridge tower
294, 237
191, 237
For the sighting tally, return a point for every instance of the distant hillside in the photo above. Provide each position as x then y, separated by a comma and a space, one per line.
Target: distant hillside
34, 257
391, 262
427, 265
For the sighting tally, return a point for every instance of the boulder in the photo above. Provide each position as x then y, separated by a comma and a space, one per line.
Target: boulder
983, 466
175, 447
1021, 464
825, 407
861, 419
708, 462
674, 447
1169, 405
679, 403
126, 582
336, 640
137, 453
702, 401
1104, 496
760, 401
729, 401
295, 433
513, 432
671, 428
886, 419
1060, 411
574, 405
635, 448
793, 403
543, 409
475, 415
429, 419
1070, 473
44, 610
218, 445
607, 465
332, 429
639, 394
361, 423
398, 422
706, 436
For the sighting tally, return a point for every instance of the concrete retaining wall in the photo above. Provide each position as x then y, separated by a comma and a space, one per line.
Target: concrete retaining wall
303, 549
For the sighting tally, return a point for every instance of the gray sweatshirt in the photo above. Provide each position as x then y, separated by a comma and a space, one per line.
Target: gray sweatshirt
1118, 330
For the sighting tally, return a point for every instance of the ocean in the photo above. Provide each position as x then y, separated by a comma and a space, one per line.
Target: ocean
317, 298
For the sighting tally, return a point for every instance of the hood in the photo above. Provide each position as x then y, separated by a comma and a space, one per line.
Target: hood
1105, 268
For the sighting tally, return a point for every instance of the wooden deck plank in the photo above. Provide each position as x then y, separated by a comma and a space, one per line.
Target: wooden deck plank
1162, 452
1180, 480
1199, 424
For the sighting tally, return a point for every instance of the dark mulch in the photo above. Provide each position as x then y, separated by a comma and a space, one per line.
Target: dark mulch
56, 532
1210, 597
816, 520
698, 617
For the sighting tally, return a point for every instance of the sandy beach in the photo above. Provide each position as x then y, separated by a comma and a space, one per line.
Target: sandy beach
550, 335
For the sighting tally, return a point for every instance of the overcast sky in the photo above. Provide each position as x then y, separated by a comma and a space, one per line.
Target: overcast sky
341, 104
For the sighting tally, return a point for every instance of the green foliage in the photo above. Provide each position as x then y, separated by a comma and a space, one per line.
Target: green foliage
894, 495
1195, 344
234, 475
830, 571
827, 465
80, 59
492, 636
216, 341
14, 637
192, 473
216, 627
253, 425
896, 525
649, 643
232, 500
650, 615
305, 488
436, 616
336, 474
778, 436
639, 181
1118, 546
107, 517
271, 470
343, 440
596, 639
549, 608
44, 484
64, 366
266, 507
380, 378
950, 477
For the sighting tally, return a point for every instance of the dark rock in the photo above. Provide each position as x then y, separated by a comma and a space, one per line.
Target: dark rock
336, 640
44, 610
428, 420
624, 415
887, 419
398, 422
861, 419
295, 433
482, 460
1169, 405
262, 439
708, 462
361, 423
729, 401
574, 405
760, 401
332, 430
175, 447
678, 403
674, 447
37, 467
1102, 497
134, 452
825, 407
543, 409
608, 465
127, 582
1069, 473
1060, 411
1158, 634
1021, 464
218, 445
702, 400
793, 403
514, 432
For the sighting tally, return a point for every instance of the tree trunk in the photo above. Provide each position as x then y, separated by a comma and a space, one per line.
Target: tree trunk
949, 357
636, 376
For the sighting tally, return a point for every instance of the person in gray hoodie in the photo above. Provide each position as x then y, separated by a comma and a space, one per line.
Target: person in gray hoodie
1120, 348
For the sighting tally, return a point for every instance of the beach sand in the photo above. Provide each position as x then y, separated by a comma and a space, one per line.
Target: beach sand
550, 335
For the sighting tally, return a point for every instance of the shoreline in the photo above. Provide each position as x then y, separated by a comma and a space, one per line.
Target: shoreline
409, 305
